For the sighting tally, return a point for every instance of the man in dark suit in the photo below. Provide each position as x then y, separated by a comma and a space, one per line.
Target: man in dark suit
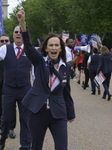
16, 84
4, 39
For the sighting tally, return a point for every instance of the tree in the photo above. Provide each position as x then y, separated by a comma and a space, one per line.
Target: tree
73, 16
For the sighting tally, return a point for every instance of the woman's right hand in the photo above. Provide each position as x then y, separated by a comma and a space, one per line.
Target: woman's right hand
21, 18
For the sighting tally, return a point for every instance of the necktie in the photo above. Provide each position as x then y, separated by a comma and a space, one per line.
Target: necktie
18, 52
51, 64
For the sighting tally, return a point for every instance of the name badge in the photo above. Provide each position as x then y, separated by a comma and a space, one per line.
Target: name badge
64, 81
47, 105
24, 54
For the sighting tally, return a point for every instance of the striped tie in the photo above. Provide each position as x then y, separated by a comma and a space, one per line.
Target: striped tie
18, 53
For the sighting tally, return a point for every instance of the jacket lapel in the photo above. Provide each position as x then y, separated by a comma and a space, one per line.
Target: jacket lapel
62, 75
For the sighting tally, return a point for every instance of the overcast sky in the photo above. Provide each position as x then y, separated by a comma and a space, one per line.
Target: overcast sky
12, 4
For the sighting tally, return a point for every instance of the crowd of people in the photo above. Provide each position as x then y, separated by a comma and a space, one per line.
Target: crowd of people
48, 102
91, 64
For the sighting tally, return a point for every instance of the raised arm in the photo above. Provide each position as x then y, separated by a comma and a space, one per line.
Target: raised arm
21, 19
30, 50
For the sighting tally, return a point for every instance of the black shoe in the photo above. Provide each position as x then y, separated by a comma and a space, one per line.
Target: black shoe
87, 86
93, 93
104, 97
84, 87
109, 97
99, 92
12, 134
2, 144
78, 81
82, 83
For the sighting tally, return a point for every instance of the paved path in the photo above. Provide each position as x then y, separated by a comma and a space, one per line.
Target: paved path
92, 128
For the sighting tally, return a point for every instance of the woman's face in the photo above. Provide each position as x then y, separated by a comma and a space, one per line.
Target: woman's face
53, 48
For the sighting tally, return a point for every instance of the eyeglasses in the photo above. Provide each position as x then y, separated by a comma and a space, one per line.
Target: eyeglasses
16, 32
2, 41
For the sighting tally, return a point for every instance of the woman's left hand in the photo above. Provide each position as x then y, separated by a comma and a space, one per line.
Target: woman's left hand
71, 120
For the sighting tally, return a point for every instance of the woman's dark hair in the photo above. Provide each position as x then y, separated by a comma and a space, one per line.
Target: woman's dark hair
45, 42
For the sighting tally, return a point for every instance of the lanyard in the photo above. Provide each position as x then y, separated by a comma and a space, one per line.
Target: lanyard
20, 53
52, 81
51, 84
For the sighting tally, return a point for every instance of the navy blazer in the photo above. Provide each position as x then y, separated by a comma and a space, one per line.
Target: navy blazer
105, 63
60, 100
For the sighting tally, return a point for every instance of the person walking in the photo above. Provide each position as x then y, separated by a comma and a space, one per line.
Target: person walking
92, 65
105, 65
16, 84
79, 65
4, 39
49, 100
85, 83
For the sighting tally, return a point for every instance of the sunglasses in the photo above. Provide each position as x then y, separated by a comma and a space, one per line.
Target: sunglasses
16, 32
2, 41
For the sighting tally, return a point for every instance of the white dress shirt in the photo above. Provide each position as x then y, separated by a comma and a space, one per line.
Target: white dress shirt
56, 82
69, 55
3, 50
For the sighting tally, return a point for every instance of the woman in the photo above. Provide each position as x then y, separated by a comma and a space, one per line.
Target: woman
49, 99
92, 66
105, 65
79, 65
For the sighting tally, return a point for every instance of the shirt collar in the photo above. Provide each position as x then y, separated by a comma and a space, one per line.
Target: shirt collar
69, 49
61, 62
15, 46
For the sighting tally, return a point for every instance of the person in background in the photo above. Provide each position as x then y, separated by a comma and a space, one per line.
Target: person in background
49, 100
79, 65
105, 65
16, 84
70, 55
92, 65
4, 39
85, 83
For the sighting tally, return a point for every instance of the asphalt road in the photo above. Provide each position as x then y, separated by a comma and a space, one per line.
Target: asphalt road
92, 128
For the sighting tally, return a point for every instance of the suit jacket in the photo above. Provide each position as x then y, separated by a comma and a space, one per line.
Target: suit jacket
1, 71
105, 63
94, 63
61, 103
16, 71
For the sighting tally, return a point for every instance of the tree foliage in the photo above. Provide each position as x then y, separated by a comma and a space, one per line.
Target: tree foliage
73, 16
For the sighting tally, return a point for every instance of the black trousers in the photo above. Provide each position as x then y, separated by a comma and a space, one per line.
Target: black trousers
93, 85
86, 72
13, 122
106, 84
39, 122
10, 97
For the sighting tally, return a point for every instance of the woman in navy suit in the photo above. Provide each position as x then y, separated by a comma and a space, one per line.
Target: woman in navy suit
105, 65
92, 66
49, 100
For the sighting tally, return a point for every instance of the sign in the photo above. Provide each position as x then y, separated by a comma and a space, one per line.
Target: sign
99, 79
39, 42
93, 37
94, 40
94, 44
65, 36
83, 39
